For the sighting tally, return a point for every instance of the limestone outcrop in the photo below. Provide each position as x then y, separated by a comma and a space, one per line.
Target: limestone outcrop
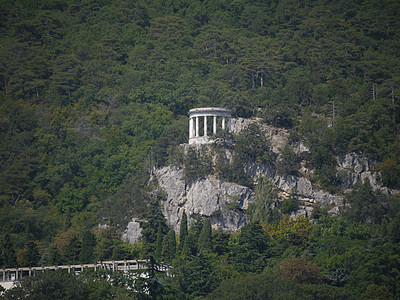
133, 232
224, 202
353, 169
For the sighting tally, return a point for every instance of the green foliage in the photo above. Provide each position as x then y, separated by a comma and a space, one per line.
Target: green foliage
196, 276
289, 205
88, 245
253, 146
366, 205
270, 285
155, 222
288, 164
260, 210
8, 256
250, 252
196, 164
301, 270
29, 256
49, 285
94, 95
393, 231
183, 230
205, 237
159, 244
171, 245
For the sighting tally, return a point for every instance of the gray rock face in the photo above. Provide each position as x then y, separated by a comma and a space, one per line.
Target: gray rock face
225, 203
299, 187
353, 169
210, 197
133, 233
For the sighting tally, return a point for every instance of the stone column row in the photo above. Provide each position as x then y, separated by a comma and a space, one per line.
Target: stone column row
194, 128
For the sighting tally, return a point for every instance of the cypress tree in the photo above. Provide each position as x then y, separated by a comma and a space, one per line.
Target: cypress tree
394, 230
171, 244
384, 228
183, 231
159, 242
165, 250
188, 246
205, 238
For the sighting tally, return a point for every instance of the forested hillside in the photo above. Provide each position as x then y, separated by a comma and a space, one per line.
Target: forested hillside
95, 93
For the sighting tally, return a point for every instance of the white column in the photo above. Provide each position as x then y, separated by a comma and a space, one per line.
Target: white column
229, 124
215, 125
190, 128
223, 123
197, 126
205, 125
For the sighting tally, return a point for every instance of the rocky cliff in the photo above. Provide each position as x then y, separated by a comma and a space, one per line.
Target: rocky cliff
225, 203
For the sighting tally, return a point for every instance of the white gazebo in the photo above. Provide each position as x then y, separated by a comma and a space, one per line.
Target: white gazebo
199, 123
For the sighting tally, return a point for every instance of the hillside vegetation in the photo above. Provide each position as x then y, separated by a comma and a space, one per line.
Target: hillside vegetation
94, 94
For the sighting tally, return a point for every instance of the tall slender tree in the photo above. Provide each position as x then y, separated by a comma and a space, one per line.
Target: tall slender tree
159, 242
205, 238
183, 231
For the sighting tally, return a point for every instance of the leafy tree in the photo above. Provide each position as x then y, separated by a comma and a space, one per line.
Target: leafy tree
87, 248
49, 285
295, 232
301, 269
29, 256
8, 256
376, 292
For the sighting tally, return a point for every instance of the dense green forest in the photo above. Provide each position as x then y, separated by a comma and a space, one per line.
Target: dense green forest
95, 93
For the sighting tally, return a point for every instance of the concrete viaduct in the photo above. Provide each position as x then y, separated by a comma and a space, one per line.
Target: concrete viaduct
10, 275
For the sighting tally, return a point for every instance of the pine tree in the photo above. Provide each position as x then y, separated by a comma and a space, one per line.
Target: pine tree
205, 238
154, 219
